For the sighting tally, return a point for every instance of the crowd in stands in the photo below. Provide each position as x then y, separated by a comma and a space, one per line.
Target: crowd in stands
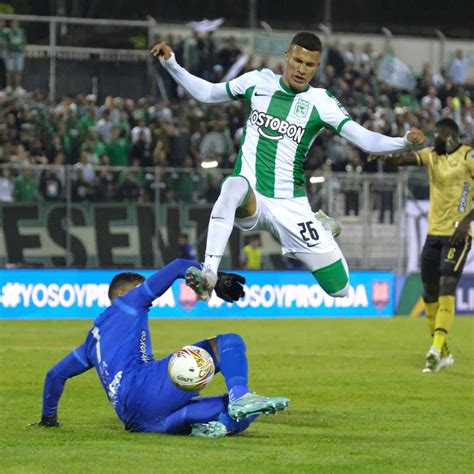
151, 135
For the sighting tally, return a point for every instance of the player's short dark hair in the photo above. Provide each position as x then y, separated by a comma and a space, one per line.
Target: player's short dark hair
307, 41
448, 124
121, 280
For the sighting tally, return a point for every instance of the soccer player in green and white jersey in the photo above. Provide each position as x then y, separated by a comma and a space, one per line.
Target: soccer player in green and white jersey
267, 190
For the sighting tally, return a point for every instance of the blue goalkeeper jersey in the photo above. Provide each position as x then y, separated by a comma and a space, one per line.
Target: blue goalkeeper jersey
118, 346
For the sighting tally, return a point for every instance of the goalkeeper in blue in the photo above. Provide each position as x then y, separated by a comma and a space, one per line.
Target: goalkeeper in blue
139, 388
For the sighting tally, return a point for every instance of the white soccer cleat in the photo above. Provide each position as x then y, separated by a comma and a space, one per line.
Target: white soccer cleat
211, 429
201, 281
432, 361
330, 224
445, 362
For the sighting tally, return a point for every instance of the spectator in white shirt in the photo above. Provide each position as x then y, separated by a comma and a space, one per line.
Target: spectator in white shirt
138, 130
88, 173
6, 186
431, 103
104, 126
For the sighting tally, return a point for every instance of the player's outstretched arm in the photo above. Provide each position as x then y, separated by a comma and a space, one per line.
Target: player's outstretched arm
376, 143
200, 89
156, 285
73, 364
403, 159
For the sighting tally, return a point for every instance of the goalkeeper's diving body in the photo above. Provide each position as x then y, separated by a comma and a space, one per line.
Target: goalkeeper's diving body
267, 189
139, 388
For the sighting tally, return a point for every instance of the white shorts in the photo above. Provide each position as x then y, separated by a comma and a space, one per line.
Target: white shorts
291, 221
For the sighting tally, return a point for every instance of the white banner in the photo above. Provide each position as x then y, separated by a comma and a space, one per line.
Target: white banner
396, 73
235, 69
205, 25
417, 227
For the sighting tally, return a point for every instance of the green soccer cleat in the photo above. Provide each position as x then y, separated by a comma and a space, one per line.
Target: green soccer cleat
432, 361
201, 282
212, 429
253, 404
330, 224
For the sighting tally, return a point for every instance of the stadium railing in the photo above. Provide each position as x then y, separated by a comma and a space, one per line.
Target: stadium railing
54, 65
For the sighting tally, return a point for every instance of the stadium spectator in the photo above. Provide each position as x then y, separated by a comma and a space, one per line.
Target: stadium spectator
84, 169
16, 42
104, 126
140, 130
86, 122
251, 254
184, 182
142, 150
117, 149
7, 187
81, 190
350, 55
50, 185
185, 248
431, 103
132, 183
106, 189
458, 69
26, 186
191, 52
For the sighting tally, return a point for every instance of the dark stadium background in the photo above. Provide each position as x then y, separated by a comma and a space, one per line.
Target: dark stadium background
419, 18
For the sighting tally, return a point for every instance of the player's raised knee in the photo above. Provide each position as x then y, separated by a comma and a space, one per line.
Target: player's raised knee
333, 279
341, 293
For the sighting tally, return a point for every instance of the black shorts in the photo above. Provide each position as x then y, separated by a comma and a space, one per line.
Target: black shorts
440, 258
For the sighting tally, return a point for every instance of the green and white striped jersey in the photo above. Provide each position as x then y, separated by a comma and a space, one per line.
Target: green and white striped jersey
279, 131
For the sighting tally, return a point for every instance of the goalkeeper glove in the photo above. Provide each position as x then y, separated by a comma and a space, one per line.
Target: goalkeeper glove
229, 286
49, 421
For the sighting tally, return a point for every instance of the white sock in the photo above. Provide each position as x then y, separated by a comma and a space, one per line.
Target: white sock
233, 192
435, 351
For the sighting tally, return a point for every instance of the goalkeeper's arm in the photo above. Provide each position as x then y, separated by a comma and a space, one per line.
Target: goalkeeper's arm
73, 364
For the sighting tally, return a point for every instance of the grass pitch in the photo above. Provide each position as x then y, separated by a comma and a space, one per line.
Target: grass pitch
359, 402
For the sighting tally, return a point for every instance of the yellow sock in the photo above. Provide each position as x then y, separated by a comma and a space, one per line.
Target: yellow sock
431, 309
445, 349
444, 320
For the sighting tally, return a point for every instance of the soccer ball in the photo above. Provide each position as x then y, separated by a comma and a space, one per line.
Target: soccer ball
191, 368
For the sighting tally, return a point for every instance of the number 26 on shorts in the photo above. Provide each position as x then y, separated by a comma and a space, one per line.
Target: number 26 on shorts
308, 233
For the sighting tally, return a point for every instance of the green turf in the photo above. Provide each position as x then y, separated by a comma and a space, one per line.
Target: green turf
359, 402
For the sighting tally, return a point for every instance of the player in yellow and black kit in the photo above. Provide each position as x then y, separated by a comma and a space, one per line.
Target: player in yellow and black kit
451, 176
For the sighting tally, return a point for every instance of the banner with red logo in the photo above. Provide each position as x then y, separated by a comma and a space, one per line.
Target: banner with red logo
63, 294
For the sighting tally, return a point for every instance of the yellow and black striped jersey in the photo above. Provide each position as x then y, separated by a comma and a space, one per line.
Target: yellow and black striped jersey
451, 179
